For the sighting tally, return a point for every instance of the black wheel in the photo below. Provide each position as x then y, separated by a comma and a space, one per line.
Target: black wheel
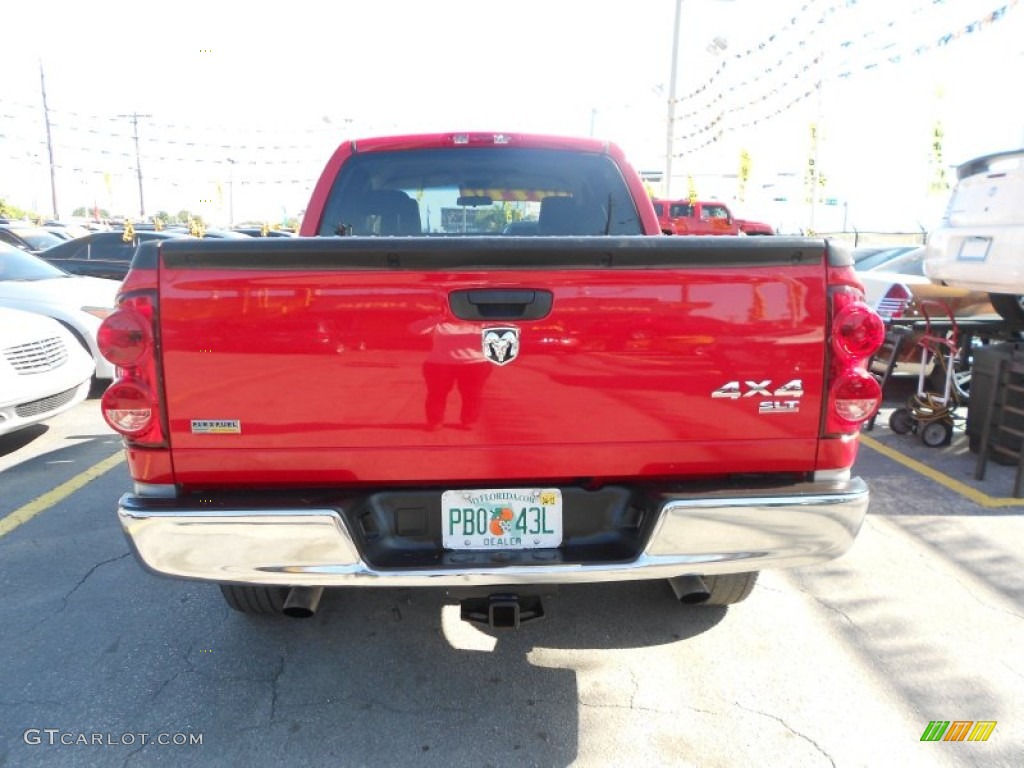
729, 588
258, 601
1010, 307
936, 433
901, 422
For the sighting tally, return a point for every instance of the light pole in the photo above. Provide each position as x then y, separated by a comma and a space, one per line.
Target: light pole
670, 133
717, 45
231, 193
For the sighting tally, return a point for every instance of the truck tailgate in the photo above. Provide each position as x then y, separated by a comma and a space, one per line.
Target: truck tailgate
345, 361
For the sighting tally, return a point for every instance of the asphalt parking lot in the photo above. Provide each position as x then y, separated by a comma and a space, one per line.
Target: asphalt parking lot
844, 664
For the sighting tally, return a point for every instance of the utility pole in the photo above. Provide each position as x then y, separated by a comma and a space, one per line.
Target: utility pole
49, 143
138, 162
670, 138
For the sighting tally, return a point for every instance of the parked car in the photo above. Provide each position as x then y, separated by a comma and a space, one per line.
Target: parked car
78, 303
899, 290
897, 287
63, 234
695, 217
65, 231
223, 234
101, 254
980, 241
874, 257
259, 232
43, 369
28, 237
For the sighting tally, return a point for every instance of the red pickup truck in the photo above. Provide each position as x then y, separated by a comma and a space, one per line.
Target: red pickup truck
416, 393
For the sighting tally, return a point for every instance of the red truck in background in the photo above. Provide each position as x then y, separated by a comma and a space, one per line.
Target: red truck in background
417, 393
699, 217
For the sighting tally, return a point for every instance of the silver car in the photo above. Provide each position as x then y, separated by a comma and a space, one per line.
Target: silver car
78, 303
43, 369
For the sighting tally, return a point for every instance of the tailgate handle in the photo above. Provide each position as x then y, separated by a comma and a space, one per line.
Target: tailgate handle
500, 304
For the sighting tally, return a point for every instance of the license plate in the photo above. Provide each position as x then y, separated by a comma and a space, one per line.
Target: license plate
974, 249
502, 518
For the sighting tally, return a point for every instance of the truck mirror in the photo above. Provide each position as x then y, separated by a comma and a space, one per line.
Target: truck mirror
473, 201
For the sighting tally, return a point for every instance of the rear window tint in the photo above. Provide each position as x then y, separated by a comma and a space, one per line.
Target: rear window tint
480, 191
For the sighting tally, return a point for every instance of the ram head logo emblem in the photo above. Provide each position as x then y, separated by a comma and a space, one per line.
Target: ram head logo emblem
501, 345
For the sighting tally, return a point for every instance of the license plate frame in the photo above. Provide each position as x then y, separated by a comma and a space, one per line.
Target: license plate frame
470, 519
974, 249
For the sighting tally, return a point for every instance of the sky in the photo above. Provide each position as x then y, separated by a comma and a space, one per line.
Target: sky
239, 105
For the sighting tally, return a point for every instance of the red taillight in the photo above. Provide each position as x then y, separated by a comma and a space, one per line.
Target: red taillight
857, 331
128, 408
124, 337
132, 404
895, 301
855, 397
856, 334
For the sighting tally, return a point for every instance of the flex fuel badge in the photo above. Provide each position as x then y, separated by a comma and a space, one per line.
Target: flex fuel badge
216, 427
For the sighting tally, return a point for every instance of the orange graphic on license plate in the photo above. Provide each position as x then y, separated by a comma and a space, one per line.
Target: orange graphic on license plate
501, 521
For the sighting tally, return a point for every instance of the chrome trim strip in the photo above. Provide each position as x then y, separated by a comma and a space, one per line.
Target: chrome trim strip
706, 534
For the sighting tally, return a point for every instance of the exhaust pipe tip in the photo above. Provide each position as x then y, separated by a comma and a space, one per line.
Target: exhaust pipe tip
690, 589
302, 602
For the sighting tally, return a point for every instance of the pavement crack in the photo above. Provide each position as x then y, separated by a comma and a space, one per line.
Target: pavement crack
166, 683
89, 573
67, 596
827, 606
789, 728
273, 688
130, 755
832, 608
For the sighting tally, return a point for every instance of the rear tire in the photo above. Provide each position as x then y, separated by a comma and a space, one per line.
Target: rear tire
1010, 307
729, 588
256, 601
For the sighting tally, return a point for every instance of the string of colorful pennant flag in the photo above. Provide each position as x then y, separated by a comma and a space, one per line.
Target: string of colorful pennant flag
782, 93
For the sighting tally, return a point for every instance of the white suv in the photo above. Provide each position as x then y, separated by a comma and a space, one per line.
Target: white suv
980, 242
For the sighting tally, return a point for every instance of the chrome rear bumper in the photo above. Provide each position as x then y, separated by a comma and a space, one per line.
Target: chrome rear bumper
700, 533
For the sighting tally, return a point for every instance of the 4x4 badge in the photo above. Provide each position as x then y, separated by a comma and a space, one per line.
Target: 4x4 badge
501, 344
733, 390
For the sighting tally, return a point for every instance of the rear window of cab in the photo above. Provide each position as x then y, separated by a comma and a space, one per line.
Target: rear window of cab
480, 191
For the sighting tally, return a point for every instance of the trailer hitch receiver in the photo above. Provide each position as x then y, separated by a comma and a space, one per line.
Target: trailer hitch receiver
502, 611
